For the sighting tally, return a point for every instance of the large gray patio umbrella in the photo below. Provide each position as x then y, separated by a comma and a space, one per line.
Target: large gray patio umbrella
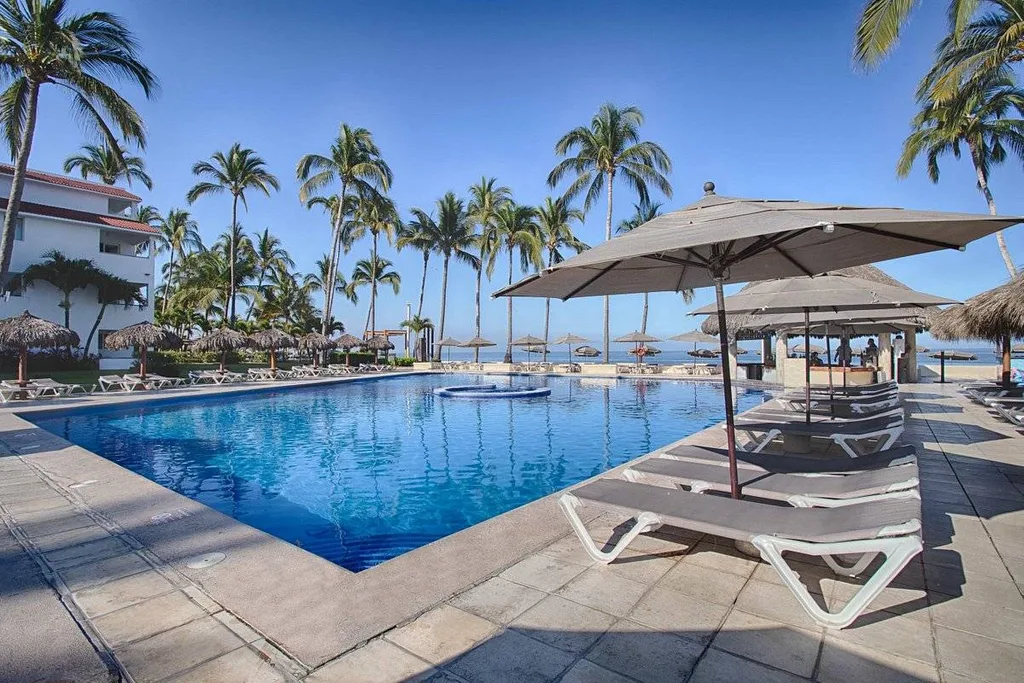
570, 339
823, 293
143, 335
719, 240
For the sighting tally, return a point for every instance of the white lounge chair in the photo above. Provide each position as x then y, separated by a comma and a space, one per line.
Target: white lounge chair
64, 388
792, 464
118, 383
891, 528
856, 437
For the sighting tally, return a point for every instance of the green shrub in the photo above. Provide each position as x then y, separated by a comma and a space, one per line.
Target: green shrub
401, 362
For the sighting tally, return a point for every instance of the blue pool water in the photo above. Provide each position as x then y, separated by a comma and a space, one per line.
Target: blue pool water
364, 471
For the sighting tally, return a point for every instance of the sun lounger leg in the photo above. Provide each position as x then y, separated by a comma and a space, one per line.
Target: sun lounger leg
645, 521
855, 446
898, 552
852, 570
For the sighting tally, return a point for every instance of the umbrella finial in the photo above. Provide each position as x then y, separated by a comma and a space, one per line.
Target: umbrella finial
709, 187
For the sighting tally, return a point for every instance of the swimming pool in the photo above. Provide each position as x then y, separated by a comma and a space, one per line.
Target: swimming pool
364, 471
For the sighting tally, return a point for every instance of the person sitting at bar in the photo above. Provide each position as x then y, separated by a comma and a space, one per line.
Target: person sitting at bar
870, 355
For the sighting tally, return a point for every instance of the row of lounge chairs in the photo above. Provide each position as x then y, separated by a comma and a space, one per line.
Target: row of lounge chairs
1008, 402
43, 387
845, 510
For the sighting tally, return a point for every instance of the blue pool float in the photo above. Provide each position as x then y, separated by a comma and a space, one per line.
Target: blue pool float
490, 391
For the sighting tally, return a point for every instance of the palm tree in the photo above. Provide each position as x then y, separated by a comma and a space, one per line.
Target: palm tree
355, 163
517, 229
417, 236
985, 117
418, 326
318, 279
554, 220
42, 43
113, 290
144, 213
611, 144
179, 235
484, 200
270, 257
236, 171
65, 274
373, 272
107, 165
377, 215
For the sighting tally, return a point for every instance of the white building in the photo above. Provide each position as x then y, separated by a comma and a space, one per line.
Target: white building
87, 220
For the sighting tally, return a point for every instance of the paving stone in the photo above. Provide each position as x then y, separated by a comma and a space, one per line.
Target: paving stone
644, 654
94, 573
588, 672
568, 549
147, 618
91, 551
707, 584
981, 618
30, 490
542, 572
721, 555
239, 666
959, 583
910, 638
121, 593
511, 656
776, 603
563, 624
46, 522
177, 650
845, 662
67, 539
638, 567
983, 658
722, 667
667, 609
442, 634
376, 662
36, 504
498, 599
605, 591
779, 645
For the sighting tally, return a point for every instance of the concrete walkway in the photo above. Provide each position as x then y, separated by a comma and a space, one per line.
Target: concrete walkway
673, 608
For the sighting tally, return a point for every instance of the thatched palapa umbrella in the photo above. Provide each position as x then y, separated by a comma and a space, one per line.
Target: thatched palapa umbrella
314, 342
377, 344
587, 352
530, 343
449, 342
569, 338
996, 315
224, 339
270, 340
347, 342
142, 335
26, 331
638, 339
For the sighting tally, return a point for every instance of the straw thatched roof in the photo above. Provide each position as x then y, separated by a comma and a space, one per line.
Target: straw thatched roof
990, 315
378, 343
746, 326
648, 350
529, 340
477, 342
347, 341
271, 338
636, 338
28, 331
224, 339
587, 352
141, 334
569, 338
314, 341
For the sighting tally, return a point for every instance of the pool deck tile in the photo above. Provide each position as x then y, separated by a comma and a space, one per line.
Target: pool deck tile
514, 598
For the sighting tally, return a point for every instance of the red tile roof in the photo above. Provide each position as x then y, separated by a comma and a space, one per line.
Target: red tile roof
65, 181
82, 216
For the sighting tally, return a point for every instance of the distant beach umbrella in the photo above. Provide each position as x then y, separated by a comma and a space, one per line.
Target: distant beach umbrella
695, 337
270, 340
143, 335
587, 352
314, 343
449, 342
704, 353
26, 331
648, 350
529, 340
224, 339
801, 349
569, 339
477, 343
952, 354
638, 339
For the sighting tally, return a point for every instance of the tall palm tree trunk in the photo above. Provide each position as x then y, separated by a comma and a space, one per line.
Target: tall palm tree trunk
607, 236
167, 286
1000, 239
95, 326
643, 318
373, 289
18, 182
508, 337
444, 302
479, 286
231, 258
332, 259
423, 284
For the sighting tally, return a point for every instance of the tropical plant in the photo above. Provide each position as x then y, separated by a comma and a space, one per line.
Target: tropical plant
288, 302
417, 236
42, 42
610, 145
109, 166
985, 117
355, 164
270, 258
451, 235
318, 279
236, 171
112, 290
376, 214
418, 326
144, 213
65, 274
179, 235
554, 221
484, 200
517, 230
374, 272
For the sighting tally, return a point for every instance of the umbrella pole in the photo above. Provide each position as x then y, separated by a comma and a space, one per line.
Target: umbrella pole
942, 367
1006, 362
223, 361
142, 362
730, 423
273, 360
831, 390
807, 364
23, 366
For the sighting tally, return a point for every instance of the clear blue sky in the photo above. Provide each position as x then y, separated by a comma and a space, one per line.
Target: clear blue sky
759, 97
